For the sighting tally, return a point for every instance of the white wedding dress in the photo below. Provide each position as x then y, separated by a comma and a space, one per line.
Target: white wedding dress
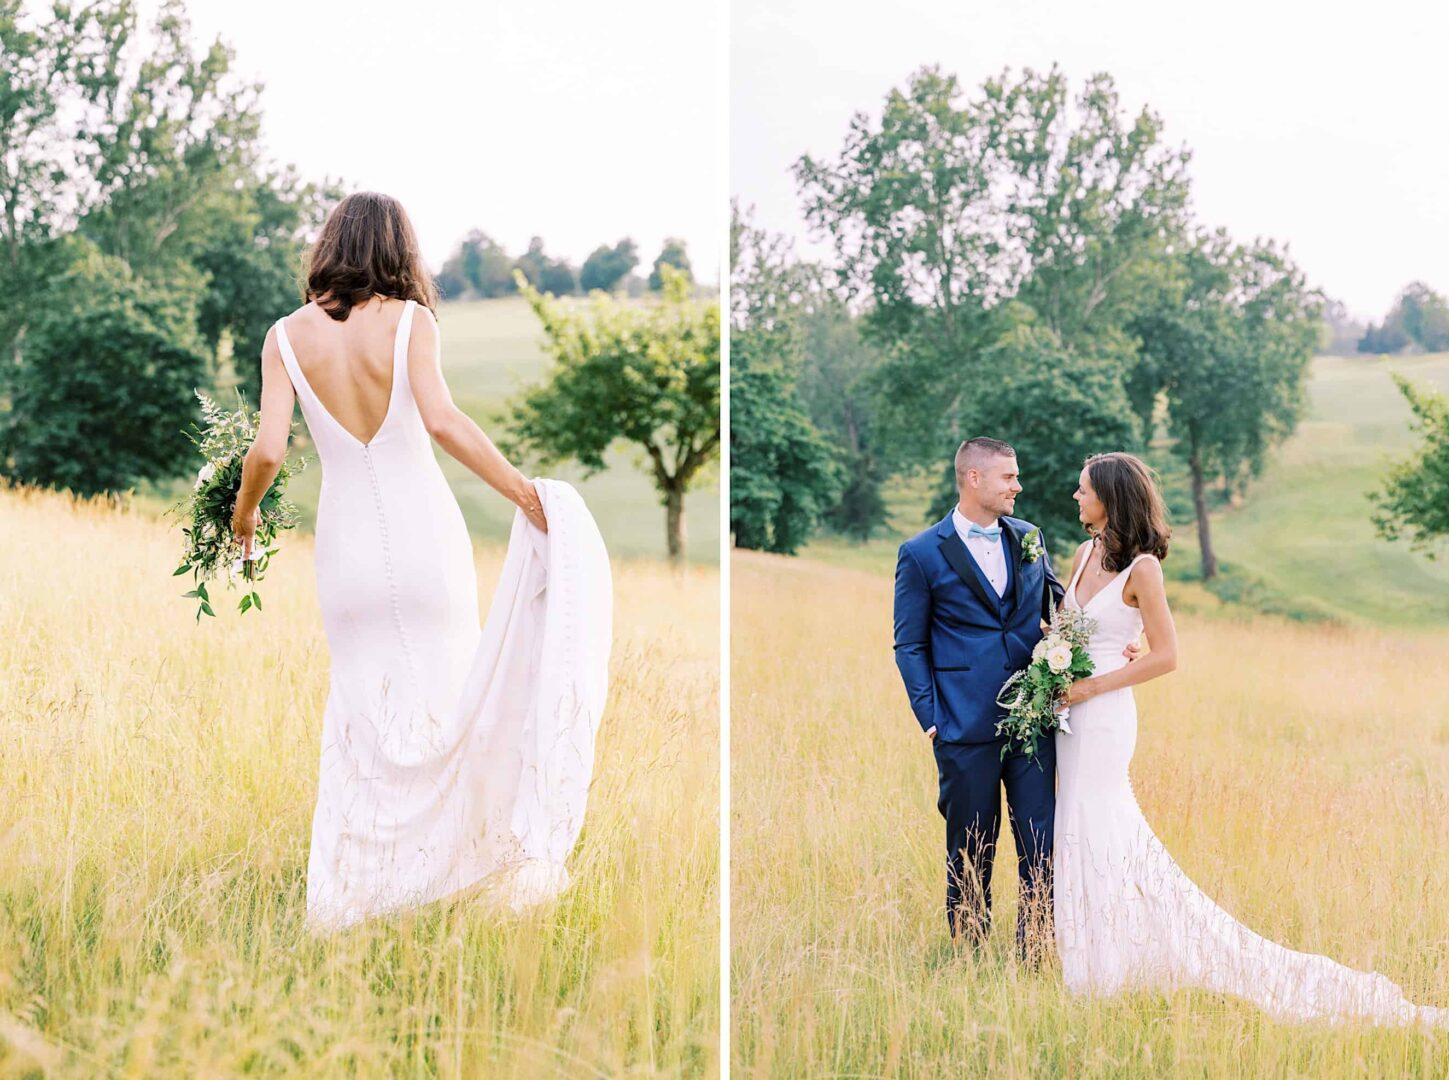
451, 756
1127, 917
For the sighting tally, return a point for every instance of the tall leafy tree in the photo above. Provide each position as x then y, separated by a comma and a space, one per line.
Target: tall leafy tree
607, 266
172, 131
1226, 341
251, 252
1413, 503
149, 159
783, 474
835, 384
54, 71
644, 375
546, 273
107, 390
673, 254
945, 209
1420, 316
480, 267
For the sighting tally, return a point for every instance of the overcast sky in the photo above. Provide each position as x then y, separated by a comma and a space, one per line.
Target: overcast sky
577, 121
1319, 126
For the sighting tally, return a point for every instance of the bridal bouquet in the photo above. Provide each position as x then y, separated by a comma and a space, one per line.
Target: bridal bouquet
1031, 696
210, 543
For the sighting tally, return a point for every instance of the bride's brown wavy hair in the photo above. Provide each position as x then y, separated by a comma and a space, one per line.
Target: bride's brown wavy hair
367, 248
1136, 514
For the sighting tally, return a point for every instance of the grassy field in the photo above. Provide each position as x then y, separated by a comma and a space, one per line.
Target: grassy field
1302, 541
491, 350
159, 779
1299, 773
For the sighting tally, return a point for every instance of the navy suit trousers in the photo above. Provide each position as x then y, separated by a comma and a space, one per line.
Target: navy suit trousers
972, 776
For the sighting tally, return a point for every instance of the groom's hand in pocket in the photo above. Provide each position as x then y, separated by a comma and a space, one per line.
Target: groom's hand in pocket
931, 734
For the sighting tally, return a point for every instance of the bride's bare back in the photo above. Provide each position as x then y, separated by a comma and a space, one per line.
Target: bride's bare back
349, 364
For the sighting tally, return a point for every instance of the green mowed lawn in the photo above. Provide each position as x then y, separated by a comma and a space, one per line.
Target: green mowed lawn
1304, 536
1306, 529
492, 349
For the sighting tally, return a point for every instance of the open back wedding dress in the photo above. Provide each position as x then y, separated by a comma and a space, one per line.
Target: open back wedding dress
451, 756
1127, 917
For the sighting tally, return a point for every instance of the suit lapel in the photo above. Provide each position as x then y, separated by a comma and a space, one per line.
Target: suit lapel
961, 561
1013, 556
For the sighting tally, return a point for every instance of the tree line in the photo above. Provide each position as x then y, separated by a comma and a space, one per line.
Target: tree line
1021, 262
482, 268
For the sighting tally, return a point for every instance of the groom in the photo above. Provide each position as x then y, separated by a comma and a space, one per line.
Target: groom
971, 595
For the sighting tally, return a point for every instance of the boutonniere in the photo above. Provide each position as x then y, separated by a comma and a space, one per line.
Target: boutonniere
1031, 549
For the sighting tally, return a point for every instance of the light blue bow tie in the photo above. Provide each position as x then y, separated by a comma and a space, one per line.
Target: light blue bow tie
993, 533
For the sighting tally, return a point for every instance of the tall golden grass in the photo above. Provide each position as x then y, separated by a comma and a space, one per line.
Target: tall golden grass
157, 780
1299, 774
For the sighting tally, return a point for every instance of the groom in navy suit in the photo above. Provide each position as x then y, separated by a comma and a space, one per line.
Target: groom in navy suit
971, 595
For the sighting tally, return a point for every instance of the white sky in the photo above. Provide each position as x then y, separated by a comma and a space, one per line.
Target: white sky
581, 122
1317, 125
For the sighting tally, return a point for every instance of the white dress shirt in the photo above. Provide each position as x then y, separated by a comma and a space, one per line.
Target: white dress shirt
990, 556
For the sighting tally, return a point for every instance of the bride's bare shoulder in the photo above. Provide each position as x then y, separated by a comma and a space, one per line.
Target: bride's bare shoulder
301, 318
1144, 579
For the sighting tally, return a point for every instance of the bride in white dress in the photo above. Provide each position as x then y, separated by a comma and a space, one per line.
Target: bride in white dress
452, 756
1126, 915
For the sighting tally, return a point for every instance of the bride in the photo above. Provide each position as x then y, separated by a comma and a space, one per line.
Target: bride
1126, 916
452, 757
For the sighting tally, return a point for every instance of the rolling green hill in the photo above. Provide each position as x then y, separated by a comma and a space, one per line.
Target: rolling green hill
1302, 542
491, 349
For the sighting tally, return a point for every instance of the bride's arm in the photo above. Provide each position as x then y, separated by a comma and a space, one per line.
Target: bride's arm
269, 449
454, 430
1151, 594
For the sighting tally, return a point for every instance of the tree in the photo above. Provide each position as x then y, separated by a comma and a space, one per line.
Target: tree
945, 209
672, 254
783, 475
951, 218
252, 255
1055, 406
836, 366
1420, 316
1425, 317
106, 392
151, 161
545, 273
171, 134
648, 376
606, 267
1226, 341
1389, 337
1413, 503
126, 152
480, 267
1341, 331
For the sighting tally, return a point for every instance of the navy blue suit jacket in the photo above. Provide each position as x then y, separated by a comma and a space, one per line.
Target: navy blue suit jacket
956, 642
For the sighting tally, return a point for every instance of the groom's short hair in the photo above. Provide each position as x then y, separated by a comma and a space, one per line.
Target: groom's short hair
975, 453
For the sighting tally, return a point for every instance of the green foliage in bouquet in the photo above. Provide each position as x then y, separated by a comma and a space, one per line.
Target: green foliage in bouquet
211, 546
1032, 695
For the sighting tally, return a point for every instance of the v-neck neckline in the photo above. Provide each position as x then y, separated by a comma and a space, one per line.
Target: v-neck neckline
391, 393
1077, 582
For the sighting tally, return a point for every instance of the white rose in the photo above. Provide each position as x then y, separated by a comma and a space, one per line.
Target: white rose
1059, 657
1040, 651
207, 472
